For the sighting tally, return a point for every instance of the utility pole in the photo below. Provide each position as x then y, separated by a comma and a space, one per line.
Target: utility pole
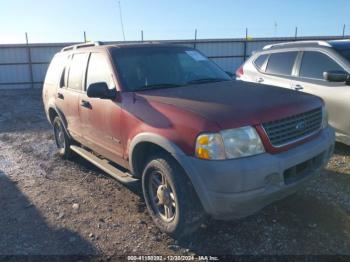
84, 36
296, 33
344, 27
141, 35
121, 19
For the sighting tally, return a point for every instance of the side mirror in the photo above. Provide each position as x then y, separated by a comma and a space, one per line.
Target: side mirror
101, 90
336, 76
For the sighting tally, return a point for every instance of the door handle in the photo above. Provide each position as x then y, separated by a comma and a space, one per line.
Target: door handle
60, 96
260, 80
86, 104
298, 87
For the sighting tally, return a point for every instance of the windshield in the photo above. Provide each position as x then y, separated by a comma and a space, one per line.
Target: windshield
142, 68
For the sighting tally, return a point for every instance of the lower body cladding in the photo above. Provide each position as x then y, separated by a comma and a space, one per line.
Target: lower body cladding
236, 188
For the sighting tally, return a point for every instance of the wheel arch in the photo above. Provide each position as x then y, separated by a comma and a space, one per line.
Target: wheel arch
53, 112
164, 144
143, 145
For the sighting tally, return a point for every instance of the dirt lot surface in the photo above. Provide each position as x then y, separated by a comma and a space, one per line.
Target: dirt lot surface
53, 206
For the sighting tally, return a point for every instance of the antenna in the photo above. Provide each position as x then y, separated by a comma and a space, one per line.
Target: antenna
121, 19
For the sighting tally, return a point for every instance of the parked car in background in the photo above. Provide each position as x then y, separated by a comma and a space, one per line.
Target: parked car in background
201, 142
316, 67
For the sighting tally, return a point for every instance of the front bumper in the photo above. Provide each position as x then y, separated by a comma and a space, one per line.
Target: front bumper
237, 188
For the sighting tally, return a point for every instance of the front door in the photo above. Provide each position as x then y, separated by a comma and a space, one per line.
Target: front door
335, 95
100, 118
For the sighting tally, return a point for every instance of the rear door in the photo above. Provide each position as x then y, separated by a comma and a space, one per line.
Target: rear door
71, 86
100, 118
279, 69
336, 95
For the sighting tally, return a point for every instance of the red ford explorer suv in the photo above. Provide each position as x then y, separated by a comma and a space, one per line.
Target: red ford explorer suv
202, 143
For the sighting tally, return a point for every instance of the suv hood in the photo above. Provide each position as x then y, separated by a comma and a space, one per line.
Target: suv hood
234, 103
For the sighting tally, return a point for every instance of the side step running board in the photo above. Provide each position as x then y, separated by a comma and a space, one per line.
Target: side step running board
103, 164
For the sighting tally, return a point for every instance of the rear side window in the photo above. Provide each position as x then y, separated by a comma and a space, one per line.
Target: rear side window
281, 63
98, 70
313, 64
260, 61
76, 71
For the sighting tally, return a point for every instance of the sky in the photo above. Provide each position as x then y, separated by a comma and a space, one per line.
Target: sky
66, 20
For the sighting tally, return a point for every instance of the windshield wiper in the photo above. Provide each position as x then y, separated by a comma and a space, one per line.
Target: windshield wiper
206, 80
155, 86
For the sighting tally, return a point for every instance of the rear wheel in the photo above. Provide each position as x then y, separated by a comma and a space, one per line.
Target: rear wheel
170, 197
63, 142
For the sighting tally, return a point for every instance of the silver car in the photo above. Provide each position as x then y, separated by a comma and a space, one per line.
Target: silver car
317, 67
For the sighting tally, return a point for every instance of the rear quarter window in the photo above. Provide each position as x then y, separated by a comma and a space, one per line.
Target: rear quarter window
55, 69
281, 63
260, 61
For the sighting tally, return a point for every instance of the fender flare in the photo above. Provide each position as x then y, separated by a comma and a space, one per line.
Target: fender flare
62, 117
156, 139
183, 160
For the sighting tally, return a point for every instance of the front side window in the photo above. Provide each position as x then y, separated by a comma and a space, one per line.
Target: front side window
281, 63
142, 68
76, 71
98, 70
313, 64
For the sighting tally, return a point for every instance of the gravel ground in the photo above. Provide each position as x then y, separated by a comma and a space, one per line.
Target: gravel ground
53, 206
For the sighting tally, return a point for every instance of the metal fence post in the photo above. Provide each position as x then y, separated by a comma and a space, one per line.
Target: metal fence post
141, 35
84, 36
30, 64
344, 27
195, 39
296, 33
245, 45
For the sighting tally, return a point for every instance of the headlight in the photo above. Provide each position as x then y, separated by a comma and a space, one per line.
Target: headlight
242, 142
324, 117
228, 144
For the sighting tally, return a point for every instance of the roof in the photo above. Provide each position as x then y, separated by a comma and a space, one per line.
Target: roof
120, 45
297, 44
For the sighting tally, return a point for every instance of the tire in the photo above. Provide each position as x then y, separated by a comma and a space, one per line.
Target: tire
62, 140
183, 217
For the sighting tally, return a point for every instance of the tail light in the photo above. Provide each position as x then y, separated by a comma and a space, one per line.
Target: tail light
240, 71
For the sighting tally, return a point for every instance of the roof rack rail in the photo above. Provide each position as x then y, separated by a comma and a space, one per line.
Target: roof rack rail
87, 44
298, 43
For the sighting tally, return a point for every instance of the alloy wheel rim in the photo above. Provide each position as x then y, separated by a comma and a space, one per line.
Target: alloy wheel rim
162, 196
59, 136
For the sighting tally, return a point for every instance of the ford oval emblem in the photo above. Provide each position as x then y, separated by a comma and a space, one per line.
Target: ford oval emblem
300, 126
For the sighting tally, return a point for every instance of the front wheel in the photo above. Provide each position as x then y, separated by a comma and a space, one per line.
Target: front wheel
170, 197
63, 142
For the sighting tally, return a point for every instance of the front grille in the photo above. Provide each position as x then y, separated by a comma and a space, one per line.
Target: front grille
290, 129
